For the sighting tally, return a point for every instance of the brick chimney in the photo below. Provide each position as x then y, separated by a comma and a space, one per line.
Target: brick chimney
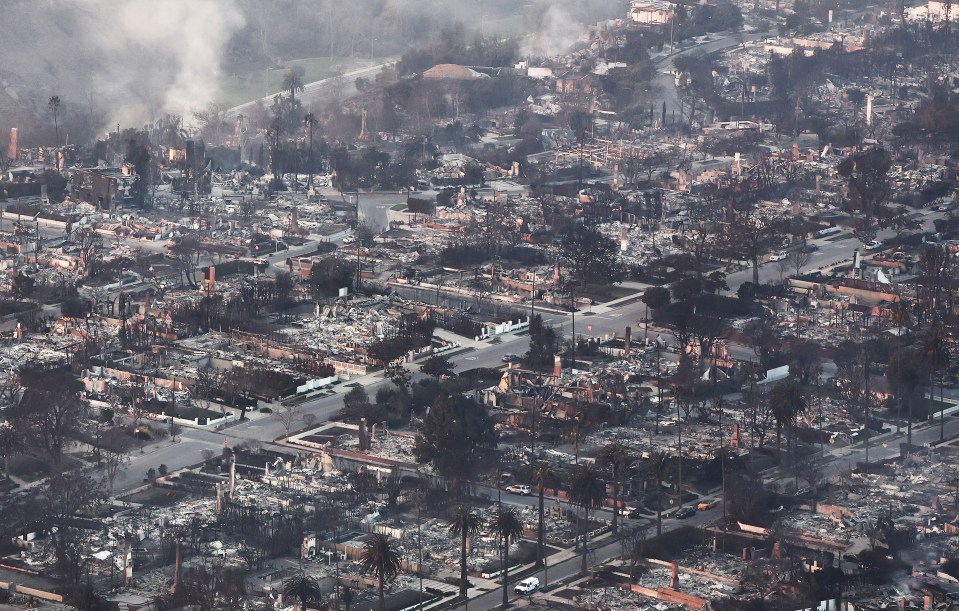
674, 577
557, 366
626, 340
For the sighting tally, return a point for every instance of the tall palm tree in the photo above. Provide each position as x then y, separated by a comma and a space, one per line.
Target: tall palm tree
575, 437
657, 466
310, 122
172, 132
543, 474
586, 491
614, 456
934, 355
787, 403
506, 523
303, 588
905, 374
463, 523
293, 81
381, 559
54, 104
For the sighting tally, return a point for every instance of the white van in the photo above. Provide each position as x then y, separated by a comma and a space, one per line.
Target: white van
527, 586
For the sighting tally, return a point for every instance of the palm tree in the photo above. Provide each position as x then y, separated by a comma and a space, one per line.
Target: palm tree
54, 105
506, 523
934, 354
172, 132
310, 122
904, 373
463, 523
587, 491
614, 456
293, 81
542, 474
787, 403
575, 437
382, 560
658, 466
303, 588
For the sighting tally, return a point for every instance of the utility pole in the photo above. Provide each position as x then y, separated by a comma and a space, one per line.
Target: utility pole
679, 454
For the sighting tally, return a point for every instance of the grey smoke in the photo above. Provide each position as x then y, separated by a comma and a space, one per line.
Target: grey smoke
133, 60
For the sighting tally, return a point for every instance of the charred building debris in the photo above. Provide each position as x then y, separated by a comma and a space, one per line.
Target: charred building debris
701, 261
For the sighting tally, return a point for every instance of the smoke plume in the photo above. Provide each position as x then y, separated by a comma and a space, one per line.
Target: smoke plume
129, 61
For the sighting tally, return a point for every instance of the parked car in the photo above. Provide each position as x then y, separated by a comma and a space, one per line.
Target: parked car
518, 489
778, 256
707, 505
635, 514
510, 358
685, 512
527, 586
810, 248
874, 245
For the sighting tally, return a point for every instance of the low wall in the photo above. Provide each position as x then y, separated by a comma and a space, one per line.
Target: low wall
672, 596
314, 384
504, 327
33, 592
195, 422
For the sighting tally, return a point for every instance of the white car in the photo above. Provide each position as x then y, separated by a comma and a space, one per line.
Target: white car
874, 245
518, 489
527, 586
778, 256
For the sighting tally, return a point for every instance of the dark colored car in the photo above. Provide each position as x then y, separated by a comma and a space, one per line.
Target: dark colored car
685, 512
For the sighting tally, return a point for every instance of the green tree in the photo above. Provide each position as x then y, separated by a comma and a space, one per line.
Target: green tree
654, 297
303, 588
457, 437
438, 366
380, 558
356, 403
397, 374
543, 343
587, 491
463, 523
867, 173
328, 276
589, 256
787, 403
506, 524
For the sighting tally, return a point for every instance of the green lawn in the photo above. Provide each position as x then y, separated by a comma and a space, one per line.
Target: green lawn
240, 88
